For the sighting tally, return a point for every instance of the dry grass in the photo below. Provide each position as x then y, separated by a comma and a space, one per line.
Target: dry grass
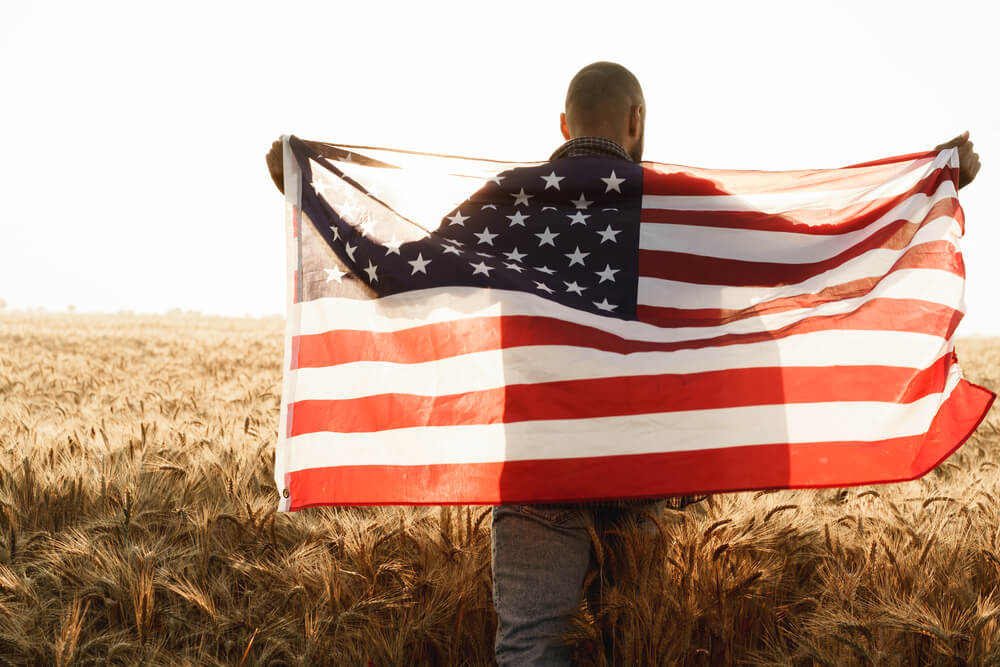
137, 525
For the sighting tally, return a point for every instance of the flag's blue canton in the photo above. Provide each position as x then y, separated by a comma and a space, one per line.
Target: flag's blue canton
567, 230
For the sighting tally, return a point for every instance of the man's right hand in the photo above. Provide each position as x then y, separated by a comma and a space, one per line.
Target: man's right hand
275, 164
968, 159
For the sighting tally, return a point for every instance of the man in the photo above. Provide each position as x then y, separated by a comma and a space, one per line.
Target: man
541, 553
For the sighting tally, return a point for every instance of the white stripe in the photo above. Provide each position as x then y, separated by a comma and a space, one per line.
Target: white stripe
741, 181
754, 245
473, 167
877, 262
930, 285
480, 371
778, 202
643, 434
445, 304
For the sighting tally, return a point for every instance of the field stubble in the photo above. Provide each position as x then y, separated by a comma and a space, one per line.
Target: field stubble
138, 525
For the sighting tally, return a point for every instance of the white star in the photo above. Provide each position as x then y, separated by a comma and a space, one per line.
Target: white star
458, 218
514, 267
544, 269
515, 256
335, 274
336, 232
346, 211
419, 264
581, 202
543, 287
484, 254
392, 247
613, 182
576, 257
450, 249
350, 250
496, 179
547, 237
521, 198
552, 181
609, 234
319, 185
481, 268
368, 226
577, 218
548, 208
486, 206
610, 209
607, 274
485, 236
604, 305
517, 218
573, 287
371, 272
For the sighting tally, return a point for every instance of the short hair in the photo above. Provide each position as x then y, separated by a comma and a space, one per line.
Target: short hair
600, 94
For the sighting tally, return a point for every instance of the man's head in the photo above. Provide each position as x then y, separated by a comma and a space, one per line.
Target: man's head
605, 100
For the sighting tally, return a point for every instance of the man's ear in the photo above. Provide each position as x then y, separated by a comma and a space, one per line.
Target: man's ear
635, 121
564, 126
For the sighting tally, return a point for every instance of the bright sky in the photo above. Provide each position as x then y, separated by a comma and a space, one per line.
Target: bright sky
134, 133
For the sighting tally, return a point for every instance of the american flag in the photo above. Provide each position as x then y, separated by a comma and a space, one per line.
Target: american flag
588, 328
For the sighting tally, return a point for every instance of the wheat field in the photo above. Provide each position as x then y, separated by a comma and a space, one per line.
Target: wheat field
138, 526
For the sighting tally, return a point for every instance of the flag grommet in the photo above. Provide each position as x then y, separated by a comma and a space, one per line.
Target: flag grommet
285, 493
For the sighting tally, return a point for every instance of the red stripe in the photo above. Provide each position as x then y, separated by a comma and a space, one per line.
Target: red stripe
430, 342
960, 218
798, 465
933, 255
619, 396
702, 270
802, 221
910, 315
898, 158
296, 342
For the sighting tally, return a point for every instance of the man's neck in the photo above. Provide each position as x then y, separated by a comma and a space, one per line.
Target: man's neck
593, 146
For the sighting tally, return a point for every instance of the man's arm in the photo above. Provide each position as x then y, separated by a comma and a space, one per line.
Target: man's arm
968, 159
276, 166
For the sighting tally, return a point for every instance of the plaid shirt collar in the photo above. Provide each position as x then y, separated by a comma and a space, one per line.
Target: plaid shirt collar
591, 146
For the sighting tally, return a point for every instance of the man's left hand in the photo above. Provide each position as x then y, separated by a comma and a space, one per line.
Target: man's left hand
968, 159
275, 165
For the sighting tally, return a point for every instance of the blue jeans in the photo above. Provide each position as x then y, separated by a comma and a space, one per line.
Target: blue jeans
541, 554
